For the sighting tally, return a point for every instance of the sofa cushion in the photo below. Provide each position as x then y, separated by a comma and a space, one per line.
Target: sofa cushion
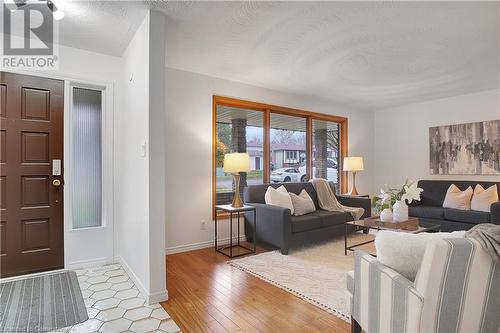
467, 216
482, 199
302, 203
329, 219
403, 252
435, 190
305, 222
256, 193
456, 198
278, 197
430, 212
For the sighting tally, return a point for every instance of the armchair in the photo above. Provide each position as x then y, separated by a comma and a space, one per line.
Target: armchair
457, 289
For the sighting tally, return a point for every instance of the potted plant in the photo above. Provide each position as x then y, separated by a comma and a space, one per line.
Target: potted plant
396, 198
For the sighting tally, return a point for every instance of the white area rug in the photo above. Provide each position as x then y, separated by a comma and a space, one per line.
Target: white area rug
316, 274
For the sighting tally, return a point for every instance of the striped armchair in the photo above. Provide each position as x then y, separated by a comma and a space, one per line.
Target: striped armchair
457, 289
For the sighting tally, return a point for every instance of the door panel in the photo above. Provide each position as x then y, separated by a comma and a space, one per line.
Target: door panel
35, 104
31, 224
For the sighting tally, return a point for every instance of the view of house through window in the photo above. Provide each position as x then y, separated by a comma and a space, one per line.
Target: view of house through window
287, 148
325, 150
240, 129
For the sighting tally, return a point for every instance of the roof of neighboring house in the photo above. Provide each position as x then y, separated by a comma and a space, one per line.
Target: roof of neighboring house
255, 153
288, 146
256, 144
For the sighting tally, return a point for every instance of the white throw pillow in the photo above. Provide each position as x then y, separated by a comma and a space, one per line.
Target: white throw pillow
302, 203
458, 199
482, 199
403, 252
278, 197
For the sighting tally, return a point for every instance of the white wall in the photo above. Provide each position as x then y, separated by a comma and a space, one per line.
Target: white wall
189, 147
157, 158
140, 160
402, 135
131, 160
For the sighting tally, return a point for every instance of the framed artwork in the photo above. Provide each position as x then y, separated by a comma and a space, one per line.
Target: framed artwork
465, 149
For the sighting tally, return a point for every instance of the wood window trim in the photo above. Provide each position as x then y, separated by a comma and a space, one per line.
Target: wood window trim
267, 109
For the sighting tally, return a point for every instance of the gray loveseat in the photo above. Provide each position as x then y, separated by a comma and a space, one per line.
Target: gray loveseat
277, 227
430, 207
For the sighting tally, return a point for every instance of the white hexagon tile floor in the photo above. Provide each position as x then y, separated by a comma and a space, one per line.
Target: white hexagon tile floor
115, 305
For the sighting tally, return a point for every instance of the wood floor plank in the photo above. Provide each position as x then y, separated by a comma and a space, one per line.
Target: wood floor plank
208, 295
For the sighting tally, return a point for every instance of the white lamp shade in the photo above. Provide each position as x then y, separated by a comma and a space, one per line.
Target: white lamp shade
236, 162
353, 164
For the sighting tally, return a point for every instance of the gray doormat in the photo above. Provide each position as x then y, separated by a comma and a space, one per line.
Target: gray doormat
41, 304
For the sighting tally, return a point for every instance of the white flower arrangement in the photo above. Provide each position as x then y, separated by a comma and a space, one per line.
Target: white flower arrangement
388, 196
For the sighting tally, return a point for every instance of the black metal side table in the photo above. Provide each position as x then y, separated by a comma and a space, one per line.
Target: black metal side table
232, 211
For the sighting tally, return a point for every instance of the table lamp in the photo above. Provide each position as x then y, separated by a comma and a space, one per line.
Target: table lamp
235, 163
353, 164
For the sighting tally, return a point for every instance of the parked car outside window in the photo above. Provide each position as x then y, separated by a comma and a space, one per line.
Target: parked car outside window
285, 175
331, 170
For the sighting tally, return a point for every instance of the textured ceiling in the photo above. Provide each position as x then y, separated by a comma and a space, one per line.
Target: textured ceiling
367, 55
100, 26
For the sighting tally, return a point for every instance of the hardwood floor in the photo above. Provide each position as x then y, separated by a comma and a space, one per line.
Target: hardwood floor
208, 295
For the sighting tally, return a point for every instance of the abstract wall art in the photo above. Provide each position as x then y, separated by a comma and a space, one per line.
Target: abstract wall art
465, 149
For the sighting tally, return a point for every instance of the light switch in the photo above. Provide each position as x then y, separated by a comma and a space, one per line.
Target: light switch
143, 149
56, 167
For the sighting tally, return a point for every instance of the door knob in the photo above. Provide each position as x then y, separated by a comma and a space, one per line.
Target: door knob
56, 182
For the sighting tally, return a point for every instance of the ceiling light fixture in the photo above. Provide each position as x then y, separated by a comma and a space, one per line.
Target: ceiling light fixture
13, 5
56, 12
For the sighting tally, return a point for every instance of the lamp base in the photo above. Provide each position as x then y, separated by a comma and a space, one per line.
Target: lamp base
353, 190
237, 202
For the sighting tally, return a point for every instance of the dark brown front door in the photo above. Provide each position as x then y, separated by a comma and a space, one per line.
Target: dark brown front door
31, 226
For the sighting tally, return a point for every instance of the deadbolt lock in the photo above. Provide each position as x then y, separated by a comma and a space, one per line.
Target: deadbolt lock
56, 182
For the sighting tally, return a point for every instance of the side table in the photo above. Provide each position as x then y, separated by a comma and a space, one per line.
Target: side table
235, 211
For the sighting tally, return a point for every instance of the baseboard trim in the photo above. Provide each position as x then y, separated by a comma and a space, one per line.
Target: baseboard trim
200, 245
131, 274
158, 297
152, 298
89, 263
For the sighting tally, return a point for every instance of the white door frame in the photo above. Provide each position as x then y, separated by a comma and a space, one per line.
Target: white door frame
89, 246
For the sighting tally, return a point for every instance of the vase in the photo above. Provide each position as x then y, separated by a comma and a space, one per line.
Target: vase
400, 211
386, 215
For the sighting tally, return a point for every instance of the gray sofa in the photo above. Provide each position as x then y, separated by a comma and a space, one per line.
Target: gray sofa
430, 207
277, 227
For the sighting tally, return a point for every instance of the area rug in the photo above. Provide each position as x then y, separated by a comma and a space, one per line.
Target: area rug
316, 274
41, 304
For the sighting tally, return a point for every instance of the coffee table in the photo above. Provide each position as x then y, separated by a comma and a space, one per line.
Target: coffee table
361, 225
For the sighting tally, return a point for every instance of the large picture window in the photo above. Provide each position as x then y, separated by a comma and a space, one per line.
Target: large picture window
284, 145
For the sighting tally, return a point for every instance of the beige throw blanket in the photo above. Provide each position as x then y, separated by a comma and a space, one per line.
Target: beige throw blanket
328, 201
488, 235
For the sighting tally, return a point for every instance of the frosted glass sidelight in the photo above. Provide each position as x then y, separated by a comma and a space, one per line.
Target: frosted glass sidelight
86, 159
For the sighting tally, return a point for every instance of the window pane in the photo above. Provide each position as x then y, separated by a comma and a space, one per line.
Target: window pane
326, 150
238, 131
288, 148
86, 158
